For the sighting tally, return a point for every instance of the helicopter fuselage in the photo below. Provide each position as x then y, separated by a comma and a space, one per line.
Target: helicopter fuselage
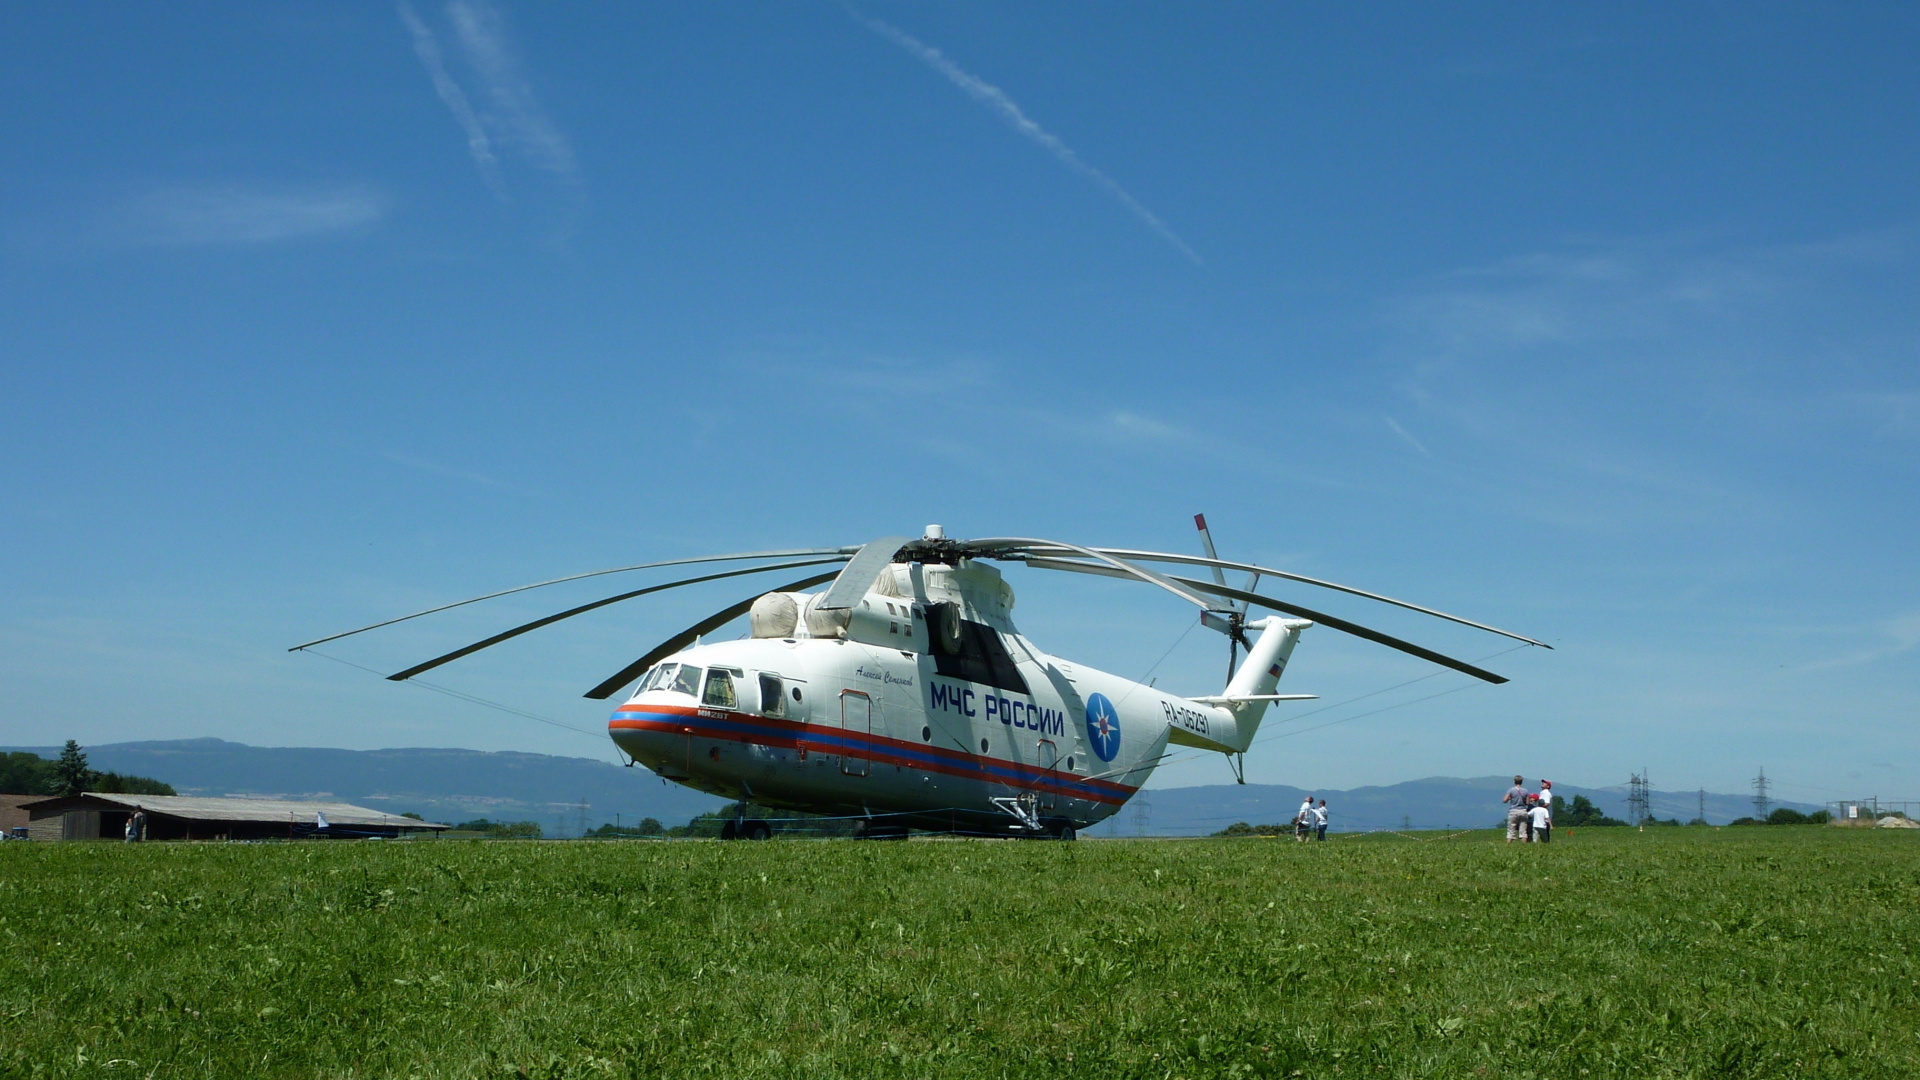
847, 728
919, 705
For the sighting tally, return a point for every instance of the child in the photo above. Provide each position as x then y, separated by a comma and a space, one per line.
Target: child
1542, 821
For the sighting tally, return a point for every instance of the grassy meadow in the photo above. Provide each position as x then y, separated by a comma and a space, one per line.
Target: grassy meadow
1761, 952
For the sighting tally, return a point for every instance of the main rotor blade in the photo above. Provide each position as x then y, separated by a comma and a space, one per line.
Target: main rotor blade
792, 553
1001, 547
536, 624
681, 640
1322, 618
1341, 624
1191, 560
859, 575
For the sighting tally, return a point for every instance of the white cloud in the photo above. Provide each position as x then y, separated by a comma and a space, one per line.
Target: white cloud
427, 47
997, 100
240, 214
483, 40
1410, 440
437, 469
510, 116
1135, 426
1897, 635
870, 375
1895, 412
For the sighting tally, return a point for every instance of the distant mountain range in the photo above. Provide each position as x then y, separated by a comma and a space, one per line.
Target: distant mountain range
456, 785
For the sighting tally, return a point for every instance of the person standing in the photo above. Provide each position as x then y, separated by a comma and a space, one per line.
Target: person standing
1303, 821
132, 829
1542, 821
1516, 800
1320, 821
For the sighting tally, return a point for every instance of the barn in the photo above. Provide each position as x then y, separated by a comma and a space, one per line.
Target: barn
12, 817
100, 816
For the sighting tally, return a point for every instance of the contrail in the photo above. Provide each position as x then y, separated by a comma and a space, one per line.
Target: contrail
514, 122
483, 39
1411, 441
427, 47
997, 100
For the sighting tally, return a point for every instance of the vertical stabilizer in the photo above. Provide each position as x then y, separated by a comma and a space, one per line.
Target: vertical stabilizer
1260, 675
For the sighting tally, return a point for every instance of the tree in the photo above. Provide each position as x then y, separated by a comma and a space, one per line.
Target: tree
793, 822
1583, 812
647, 827
22, 773
1241, 828
500, 830
71, 776
113, 783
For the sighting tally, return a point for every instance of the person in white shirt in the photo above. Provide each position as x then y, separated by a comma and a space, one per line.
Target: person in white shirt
1542, 819
1303, 821
1320, 821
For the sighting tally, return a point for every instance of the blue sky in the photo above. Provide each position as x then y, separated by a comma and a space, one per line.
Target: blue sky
1595, 324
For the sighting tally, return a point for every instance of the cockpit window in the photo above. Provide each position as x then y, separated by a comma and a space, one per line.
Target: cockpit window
685, 681
719, 690
652, 678
772, 702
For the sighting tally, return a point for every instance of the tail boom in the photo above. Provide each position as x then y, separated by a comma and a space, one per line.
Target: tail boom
1244, 702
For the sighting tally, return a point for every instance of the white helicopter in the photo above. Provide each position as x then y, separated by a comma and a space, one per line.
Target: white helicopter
904, 696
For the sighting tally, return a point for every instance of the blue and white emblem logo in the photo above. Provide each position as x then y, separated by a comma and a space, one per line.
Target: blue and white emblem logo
1103, 727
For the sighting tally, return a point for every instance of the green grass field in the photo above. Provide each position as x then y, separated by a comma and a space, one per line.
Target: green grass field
1775, 952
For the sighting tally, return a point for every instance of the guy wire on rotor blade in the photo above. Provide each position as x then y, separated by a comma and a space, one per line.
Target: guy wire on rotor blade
1182, 755
1043, 550
787, 554
583, 608
1332, 622
461, 695
674, 644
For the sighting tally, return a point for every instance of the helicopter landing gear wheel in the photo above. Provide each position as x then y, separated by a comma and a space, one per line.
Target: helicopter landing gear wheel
755, 830
1059, 828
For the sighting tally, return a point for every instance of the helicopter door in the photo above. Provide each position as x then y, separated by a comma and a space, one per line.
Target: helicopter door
856, 718
1049, 761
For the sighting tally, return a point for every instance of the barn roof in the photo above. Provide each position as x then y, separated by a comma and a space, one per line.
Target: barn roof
224, 808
